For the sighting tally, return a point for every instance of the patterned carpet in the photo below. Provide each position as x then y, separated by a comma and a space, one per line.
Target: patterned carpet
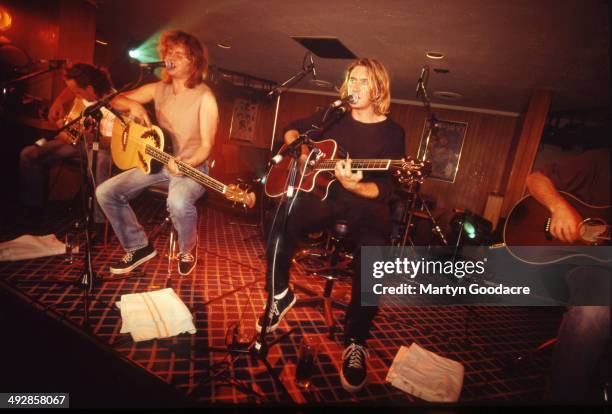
225, 291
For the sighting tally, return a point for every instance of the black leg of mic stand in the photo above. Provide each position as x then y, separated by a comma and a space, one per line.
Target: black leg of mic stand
258, 349
89, 277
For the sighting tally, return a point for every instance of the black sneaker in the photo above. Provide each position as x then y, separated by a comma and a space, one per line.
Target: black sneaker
187, 262
132, 260
279, 308
354, 371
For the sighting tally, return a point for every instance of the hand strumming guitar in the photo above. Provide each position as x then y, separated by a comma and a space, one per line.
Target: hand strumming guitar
565, 222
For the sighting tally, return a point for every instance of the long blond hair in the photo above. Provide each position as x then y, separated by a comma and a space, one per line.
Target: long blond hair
378, 80
196, 52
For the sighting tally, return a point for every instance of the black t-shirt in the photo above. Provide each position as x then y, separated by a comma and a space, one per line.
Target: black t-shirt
586, 176
381, 140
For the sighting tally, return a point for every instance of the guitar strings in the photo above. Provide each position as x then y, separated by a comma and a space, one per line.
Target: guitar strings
188, 170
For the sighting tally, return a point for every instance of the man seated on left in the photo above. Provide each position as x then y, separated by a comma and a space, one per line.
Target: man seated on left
85, 84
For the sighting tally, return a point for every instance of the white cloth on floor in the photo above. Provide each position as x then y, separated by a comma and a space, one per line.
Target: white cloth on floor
156, 314
426, 375
31, 247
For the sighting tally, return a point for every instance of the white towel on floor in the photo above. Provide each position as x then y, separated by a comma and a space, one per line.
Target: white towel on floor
156, 314
426, 375
31, 247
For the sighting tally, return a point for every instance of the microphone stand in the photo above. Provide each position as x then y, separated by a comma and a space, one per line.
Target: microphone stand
27, 76
258, 348
88, 278
277, 92
421, 92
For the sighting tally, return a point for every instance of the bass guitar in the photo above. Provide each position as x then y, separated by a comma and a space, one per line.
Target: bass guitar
135, 146
317, 175
528, 224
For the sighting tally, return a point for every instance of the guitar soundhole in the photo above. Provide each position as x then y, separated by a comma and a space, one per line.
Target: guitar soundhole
308, 168
151, 133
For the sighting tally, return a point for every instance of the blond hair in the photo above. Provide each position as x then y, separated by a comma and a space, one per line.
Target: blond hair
378, 81
196, 52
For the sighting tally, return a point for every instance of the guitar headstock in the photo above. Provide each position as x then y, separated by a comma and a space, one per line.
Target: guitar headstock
410, 171
240, 194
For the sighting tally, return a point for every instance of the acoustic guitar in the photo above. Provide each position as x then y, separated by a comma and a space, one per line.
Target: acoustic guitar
70, 135
527, 229
135, 146
318, 174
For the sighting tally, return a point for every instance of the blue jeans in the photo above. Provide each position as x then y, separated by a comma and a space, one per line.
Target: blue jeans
34, 161
115, 194
583, 340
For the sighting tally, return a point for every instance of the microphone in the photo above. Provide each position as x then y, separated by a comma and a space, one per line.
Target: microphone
302, 139
154, 65
54, 63
350, 99
275, 160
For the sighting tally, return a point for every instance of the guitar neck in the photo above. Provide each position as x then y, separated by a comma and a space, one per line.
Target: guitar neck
360, 164
186, 169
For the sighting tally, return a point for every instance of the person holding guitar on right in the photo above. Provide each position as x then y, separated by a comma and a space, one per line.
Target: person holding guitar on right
362, 131
584, 335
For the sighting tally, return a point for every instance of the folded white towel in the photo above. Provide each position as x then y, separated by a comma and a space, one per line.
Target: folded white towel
426, 375
156, 314
31, 247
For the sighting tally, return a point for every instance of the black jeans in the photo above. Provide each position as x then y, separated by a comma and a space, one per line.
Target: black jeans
369, 225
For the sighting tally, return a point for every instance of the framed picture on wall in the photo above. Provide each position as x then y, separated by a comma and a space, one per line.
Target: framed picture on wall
244, 120
443, 148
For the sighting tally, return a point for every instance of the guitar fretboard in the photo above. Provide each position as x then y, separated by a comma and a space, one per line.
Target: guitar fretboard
360, 164
186, 169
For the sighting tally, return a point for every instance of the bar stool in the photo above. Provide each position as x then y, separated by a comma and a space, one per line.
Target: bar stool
331, 263
160, 191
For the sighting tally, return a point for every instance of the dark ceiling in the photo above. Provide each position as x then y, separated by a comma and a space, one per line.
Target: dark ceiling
496, 52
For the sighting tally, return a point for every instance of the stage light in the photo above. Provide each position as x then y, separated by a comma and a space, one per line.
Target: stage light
6, 20
143, 52
469, 228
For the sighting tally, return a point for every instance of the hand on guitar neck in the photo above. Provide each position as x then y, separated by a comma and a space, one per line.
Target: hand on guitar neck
172, 166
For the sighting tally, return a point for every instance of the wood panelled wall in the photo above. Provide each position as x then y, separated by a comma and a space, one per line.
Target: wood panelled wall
486, 148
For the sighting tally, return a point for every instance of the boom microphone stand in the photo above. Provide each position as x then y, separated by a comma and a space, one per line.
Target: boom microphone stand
259, 347
277, 92
91, 116
421, 91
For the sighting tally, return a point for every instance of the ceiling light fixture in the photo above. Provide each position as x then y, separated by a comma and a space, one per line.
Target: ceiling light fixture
450, 96
320, 83
434, 55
